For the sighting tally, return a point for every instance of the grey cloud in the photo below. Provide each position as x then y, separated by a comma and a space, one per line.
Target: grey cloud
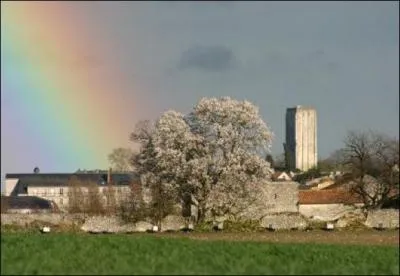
277, 61
210, 58
284, 62
332, 67
195, 5
212, 4
319, 53
322, 60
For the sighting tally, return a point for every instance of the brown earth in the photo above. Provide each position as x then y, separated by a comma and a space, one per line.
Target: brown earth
361, 236
364, 237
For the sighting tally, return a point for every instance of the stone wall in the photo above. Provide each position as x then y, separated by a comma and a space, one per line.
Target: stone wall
274, 197
23, 219
389, 218
326, 212
113, 224
284, 222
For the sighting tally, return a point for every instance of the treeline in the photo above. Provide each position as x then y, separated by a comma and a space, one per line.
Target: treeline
87, 197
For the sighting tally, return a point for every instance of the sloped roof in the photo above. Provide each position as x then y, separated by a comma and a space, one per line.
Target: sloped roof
346, 181
277, 174
61, 179
332, 196
25, 202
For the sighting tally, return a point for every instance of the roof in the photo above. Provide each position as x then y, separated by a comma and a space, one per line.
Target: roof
61, 179
346, 181
25, 202
328, 197
306, 187
276, 175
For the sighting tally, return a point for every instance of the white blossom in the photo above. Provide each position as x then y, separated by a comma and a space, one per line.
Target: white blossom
213, 153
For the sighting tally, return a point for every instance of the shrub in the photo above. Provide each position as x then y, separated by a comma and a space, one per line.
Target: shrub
133, 211
84, 197
75, 196
242, 226
4, 204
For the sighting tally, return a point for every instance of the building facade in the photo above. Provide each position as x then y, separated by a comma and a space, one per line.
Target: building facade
56, 187
301, 138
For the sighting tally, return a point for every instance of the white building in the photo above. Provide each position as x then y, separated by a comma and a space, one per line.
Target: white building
301, 138
55, 187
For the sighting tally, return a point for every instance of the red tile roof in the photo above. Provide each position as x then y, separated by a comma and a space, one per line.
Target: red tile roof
335, 196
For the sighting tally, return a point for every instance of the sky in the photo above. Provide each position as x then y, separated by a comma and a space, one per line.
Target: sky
342, 58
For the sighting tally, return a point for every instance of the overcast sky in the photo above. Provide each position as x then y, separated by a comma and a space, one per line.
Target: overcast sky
340, 57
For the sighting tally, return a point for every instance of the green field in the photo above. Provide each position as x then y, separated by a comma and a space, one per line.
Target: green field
145, 254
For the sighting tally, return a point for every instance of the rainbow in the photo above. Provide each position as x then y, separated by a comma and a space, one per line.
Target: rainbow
74, 112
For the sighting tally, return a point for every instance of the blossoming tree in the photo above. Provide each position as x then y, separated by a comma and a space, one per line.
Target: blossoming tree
213, 153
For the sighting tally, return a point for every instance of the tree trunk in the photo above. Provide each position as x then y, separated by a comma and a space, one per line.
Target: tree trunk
159, 225
201, 212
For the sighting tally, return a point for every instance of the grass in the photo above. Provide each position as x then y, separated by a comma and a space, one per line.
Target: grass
36, 254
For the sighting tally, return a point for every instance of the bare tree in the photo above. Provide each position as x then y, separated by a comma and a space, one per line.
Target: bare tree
110, 199
84, 197
270, 160
336, 160
280, 162
162, 202
369, 154
120, 159
133, 208
93, 201
75, 196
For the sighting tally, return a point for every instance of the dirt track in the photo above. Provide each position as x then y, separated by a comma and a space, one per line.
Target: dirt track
366, 237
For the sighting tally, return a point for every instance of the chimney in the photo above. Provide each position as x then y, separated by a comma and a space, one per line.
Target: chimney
109, 176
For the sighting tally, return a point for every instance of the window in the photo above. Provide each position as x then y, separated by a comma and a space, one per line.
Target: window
275, 196
61, 191
61, 201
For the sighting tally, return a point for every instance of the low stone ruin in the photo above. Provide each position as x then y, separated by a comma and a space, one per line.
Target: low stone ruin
382, 219
385, 218
284, 222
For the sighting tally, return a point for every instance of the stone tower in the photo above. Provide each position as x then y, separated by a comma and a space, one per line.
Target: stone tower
301, 138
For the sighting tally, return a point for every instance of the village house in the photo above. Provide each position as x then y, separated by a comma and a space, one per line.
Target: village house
328, 204
55, 186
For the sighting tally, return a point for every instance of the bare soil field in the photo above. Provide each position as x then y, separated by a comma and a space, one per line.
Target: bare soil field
360, 237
